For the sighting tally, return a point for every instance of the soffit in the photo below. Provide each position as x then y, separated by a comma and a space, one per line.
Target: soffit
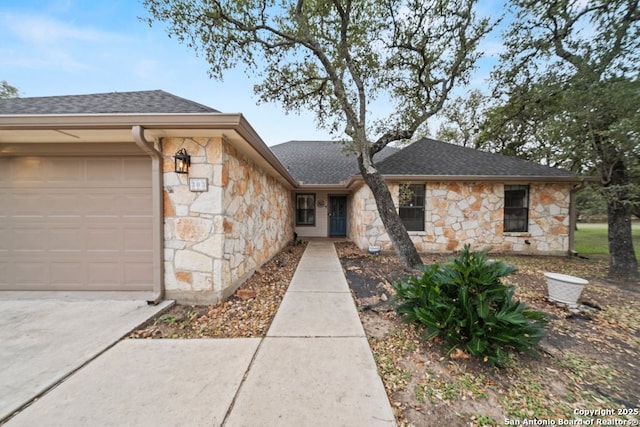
16, 131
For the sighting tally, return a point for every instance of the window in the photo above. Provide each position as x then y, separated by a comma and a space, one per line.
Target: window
411, 212
305, 209
516, 207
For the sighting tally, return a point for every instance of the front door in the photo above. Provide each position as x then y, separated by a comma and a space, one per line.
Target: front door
337, 215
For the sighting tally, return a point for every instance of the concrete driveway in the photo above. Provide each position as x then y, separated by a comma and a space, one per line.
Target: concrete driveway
44, 341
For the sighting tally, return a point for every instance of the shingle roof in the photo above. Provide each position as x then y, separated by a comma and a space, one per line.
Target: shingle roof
431, 157
320, 162
140, 102
324, 162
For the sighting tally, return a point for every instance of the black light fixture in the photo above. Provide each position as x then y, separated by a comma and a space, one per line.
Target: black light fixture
182, 161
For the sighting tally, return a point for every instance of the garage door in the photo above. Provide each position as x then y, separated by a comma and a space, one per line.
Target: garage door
75, 223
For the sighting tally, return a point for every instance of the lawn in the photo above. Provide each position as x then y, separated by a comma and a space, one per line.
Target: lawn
592, 239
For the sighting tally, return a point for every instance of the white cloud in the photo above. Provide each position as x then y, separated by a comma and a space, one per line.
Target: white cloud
42, 42
42, 30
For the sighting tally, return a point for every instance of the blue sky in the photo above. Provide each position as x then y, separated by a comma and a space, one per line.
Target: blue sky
68, 47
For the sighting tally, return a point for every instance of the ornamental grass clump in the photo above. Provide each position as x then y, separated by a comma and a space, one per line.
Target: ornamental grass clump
465, 302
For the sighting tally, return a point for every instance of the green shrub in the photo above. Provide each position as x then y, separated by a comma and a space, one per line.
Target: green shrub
465, 303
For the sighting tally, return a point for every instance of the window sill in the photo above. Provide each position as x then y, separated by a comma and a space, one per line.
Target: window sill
516, 234
417, 233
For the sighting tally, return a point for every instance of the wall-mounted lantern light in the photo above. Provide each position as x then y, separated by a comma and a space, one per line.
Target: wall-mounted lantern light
182, 161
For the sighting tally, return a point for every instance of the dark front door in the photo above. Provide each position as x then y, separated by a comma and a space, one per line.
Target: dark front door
337, 215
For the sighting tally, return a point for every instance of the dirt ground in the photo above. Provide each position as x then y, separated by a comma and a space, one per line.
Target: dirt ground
248, 313
589, 359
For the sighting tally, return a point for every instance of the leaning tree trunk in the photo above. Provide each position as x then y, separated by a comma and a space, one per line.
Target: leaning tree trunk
622, 258
405, 249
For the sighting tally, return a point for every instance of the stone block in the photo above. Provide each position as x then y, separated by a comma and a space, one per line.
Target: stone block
470, 225
174, 244
217, 176
170, 178
229, 245
213, 151
167, 205
182, 210
184, 277
182, 196
236, 204
201, 170
169, 276
202, 282
212, 247
192, 261
192, 229
209, 202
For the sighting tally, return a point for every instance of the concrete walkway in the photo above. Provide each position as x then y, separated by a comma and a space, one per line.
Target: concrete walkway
314, 368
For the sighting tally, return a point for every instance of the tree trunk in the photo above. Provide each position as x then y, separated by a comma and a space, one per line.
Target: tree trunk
405, 249
622, 257
623, 262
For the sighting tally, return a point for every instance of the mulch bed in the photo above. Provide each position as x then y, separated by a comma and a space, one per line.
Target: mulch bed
589, 359
248, 313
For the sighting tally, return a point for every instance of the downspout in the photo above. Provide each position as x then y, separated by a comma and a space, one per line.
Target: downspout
158, 215
573, 215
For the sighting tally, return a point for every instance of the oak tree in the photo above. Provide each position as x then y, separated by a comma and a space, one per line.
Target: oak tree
372, 71
569, 78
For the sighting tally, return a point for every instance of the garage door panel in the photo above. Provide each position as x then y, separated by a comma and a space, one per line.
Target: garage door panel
104, 274
104, 170
102, 205
64, 204
33, 274
25, 204
134, 240
63, 169
133, 171
138, 203
76, 224
5, 172
66, 239
4, 272
29, 240
67, 274
104, 239
137, 273
27, 170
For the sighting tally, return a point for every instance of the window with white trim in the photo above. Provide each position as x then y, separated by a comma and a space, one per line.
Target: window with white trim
516, 208
411, 203
305, 209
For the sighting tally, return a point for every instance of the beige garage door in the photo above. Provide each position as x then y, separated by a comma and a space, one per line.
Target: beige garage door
75, 223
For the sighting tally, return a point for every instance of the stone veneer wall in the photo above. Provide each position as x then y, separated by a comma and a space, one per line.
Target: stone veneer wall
215, 239
458, 213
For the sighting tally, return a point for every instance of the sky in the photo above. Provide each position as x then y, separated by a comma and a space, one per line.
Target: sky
73, 47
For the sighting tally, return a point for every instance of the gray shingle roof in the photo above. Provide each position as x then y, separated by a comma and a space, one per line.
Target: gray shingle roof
431, 157
140, 102
320, 162
323, 162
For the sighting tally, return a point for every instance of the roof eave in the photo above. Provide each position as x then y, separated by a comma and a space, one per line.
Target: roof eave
117, 121
322, 187
151, 122
469, 178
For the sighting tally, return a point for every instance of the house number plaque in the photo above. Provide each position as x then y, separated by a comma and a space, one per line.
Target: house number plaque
198, 184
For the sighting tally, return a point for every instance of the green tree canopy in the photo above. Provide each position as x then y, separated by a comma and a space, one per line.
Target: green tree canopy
8, 91
571, 97
372, 71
